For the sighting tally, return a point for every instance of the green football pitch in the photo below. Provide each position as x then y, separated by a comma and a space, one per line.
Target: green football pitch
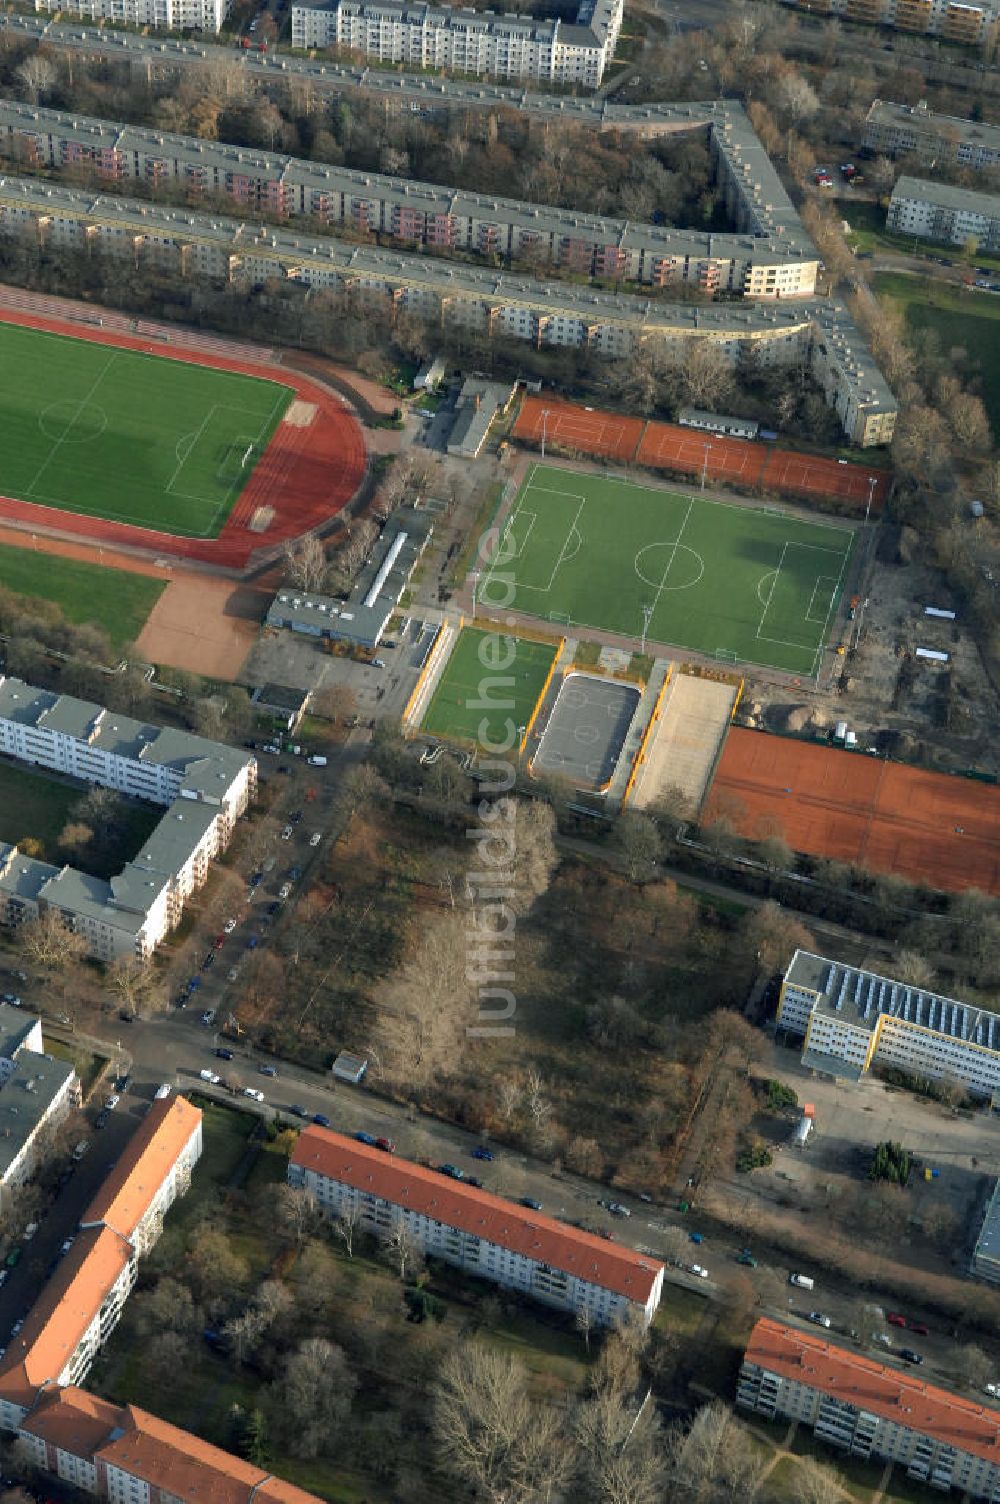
733, 582
471, 691
135, 438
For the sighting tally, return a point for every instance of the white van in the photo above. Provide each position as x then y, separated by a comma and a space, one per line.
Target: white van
802, 1280
163, 1091
317, 762
210, 1076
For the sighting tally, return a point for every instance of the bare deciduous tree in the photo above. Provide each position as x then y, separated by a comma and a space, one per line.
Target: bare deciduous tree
306, 563
51, 944
491, 1434
402, 1250
297, 1212
311, 1400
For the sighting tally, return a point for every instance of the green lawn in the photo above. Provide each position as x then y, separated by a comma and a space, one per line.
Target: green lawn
472, 692
37, 806
112, 598
734, 582
868, 233
132, 437
959, 316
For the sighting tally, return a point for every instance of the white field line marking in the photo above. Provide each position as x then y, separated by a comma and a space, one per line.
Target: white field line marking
58, 443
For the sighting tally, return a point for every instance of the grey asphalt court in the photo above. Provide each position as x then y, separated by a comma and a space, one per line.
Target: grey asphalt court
586, 730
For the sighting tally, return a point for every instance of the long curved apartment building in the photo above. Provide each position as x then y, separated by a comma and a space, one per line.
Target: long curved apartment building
770, 257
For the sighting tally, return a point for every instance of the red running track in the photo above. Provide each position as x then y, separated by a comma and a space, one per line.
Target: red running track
666, 446
305, 475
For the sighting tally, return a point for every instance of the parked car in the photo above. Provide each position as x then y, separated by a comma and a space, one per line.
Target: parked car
451, 1170
253, 942
474, 1180
208, 1017
481, 1152
321, 1120
210, 1077
698, 1271
287, 833
232, 973
208, 961
746, 1257
531, 1203
4, 1276
255, 879
366, 1138
284, 891
909, 1356
123, 1083
194, 983
112, 1102
253, 1093
919, 1328
818, 1319
163, 1091
618, 1210
230, 925
298, 1110
294, 873
67, 1245
219, 941
388, 1145
895, 1319
315, 838
224, 1054
102, 1119
295, 817
992, 1389
13, 1258
268, 1070
11, 999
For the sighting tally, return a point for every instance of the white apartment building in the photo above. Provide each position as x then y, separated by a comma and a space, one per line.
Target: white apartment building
852, 1020
36, 1093
548, 314
465, 40
154, 1170
83, 1300
954, 20
952, 216
478, 1232
913, 130
872, 1410
206, 785
165, 15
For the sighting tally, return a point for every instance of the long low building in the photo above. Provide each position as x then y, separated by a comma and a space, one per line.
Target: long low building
952, 216
546, 314
872, 1410
852, 1020
760, 263
36, 1093
206, 785
483, 1234
468, 41
912, 130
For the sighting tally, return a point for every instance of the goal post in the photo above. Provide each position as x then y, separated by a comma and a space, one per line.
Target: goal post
725, 655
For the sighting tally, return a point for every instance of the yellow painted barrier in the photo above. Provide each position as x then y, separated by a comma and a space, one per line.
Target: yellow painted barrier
541, 698
640, 755
422, 677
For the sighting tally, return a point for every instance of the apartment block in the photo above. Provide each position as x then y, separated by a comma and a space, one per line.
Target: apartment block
465, 40
118, 1452
872, 1410
206, 785
951, 216
82, 1301
897, 130
852, 1020
36, 1093
548, 314
771, 258
166, 15
152, 1172
128, 1456
478, 1232
953, 20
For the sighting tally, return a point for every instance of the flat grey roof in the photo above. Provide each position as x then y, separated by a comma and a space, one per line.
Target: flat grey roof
15, 1026
23, 876
913, 118
946, 196
779, 236
25, 1099
859, 997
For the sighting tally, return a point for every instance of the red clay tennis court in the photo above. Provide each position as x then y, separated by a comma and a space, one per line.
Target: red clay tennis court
584, 429
687, 451
928, 827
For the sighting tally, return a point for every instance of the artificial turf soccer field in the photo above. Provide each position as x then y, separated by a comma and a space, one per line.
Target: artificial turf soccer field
464, 680
729, 581
135, 438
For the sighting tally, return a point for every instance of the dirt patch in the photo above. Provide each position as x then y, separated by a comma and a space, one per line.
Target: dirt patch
203, 625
